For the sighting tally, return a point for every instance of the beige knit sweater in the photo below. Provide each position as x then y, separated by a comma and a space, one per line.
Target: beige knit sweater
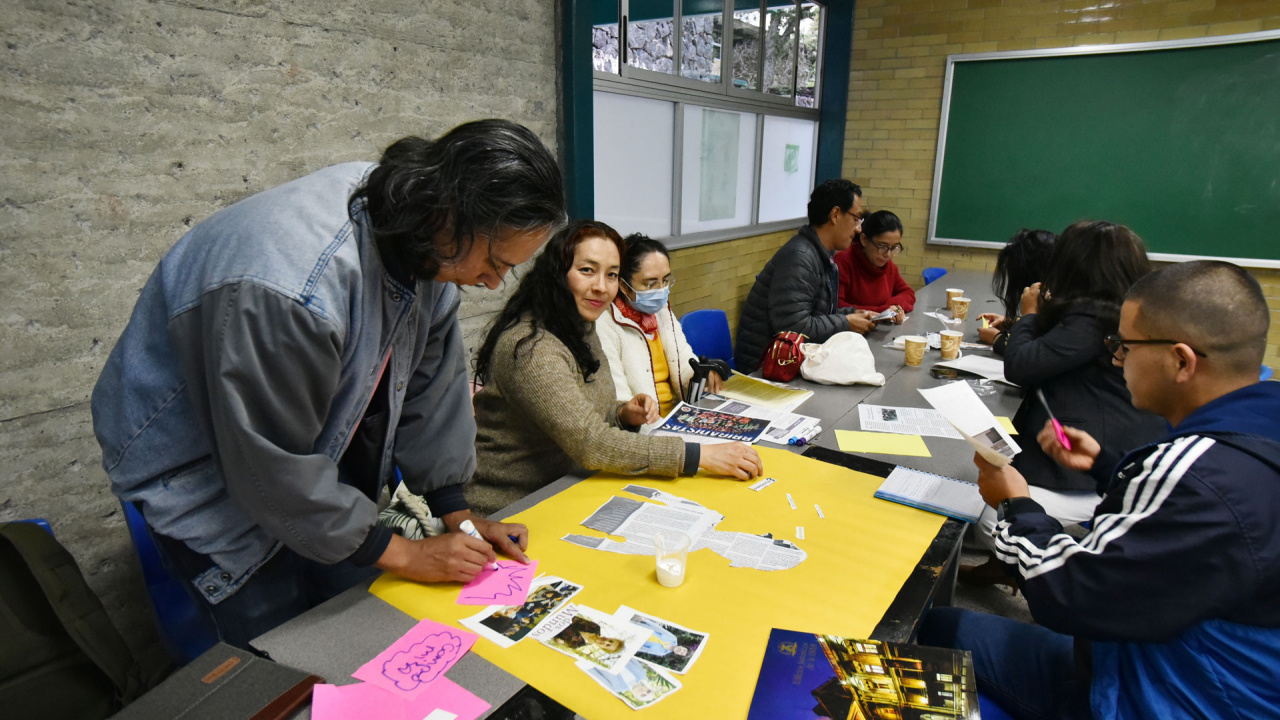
538, 420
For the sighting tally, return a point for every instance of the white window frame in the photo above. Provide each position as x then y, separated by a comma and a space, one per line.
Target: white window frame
682, 91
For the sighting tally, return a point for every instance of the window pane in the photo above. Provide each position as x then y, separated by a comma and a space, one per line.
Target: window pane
746, 44
634, 140
807, 73
604, 36
650, 28
719, 162
786, 171
701, 30
780, 48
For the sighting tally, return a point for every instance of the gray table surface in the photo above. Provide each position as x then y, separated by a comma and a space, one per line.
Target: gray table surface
336, 638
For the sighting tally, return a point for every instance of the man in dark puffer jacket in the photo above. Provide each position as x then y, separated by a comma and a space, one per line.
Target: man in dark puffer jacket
797, 290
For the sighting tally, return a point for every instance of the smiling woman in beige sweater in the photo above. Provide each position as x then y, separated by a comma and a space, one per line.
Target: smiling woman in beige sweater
547, 407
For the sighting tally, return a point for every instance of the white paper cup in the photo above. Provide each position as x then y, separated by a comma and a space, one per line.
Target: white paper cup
951, 344
913, 352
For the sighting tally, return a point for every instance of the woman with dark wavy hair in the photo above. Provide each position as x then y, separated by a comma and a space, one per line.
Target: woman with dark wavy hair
1021, 263
1057, 347
547, 406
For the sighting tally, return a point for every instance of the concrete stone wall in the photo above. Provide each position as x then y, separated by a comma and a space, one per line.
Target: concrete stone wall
126, 121
900, 49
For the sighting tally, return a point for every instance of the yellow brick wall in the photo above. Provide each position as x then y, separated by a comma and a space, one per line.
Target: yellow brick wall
895, 89
720, 275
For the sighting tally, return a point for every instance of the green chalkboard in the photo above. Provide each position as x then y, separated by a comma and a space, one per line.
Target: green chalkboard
1181, 144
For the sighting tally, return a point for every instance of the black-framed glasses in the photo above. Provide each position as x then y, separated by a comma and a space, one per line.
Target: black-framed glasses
888, 249
1119, 347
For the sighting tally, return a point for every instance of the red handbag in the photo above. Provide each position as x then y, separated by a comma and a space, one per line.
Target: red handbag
781, 362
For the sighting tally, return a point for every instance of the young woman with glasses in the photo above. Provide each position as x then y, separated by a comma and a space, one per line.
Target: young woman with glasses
644, 344
869, 279
1058, 346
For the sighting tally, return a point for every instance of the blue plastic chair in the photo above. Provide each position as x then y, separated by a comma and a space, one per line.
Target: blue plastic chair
185, 631
708, 334
933, 273
38, 521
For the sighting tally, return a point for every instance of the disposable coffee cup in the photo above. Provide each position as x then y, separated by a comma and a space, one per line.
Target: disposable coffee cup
952, 294
671, 554
951, 344
913, 349
960, 308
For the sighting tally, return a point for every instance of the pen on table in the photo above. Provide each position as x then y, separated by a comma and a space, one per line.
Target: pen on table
467, 527
805, 438
1057, 426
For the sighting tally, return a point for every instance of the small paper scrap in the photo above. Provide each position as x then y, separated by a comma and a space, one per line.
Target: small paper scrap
417, 660
791, 502
819, 509
799, 532
763, 483
507, 585
1007, 424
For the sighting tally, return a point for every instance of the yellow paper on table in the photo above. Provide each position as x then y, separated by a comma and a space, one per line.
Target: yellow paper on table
762, 392
858, 441
858, 557
1007, 424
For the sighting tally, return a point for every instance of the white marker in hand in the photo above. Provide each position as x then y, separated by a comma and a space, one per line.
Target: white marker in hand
469, 528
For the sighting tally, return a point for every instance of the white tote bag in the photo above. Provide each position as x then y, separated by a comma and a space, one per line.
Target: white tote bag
844, 359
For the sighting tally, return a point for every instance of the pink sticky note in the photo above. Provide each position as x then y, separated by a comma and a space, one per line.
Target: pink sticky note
354, 702
508, 585
363, 701
423, 655
445, 695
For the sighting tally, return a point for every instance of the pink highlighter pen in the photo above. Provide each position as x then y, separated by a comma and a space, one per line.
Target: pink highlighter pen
1057, 426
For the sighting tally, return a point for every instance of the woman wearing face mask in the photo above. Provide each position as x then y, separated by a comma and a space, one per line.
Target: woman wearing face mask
869, 279
548, 406
644, 345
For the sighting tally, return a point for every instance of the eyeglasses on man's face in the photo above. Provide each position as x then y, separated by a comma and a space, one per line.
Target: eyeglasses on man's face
1119, 347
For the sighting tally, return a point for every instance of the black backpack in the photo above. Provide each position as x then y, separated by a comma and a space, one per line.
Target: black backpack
60, 656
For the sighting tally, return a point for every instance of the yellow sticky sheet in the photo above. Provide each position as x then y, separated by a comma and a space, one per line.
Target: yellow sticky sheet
858, 559
858, 441
1007, 424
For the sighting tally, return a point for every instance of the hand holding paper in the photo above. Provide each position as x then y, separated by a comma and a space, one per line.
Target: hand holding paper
997, 484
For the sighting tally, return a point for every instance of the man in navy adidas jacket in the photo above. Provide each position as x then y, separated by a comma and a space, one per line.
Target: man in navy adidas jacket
1170, 606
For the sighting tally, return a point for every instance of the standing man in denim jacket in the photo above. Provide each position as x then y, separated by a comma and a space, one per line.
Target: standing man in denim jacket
295, 348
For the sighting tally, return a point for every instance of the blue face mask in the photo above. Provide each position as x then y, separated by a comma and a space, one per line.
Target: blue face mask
649, 301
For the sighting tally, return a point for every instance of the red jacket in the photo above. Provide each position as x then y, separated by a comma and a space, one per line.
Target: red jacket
867, 287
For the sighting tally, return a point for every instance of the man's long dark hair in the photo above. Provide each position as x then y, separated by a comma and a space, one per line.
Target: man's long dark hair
1093, 264
476, 180
544, 296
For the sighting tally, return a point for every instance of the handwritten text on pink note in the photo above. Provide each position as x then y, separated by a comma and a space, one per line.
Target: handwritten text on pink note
415, 660
508, 585
363, 701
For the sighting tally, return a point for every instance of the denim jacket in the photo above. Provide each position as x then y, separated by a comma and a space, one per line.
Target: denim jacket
250, 359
